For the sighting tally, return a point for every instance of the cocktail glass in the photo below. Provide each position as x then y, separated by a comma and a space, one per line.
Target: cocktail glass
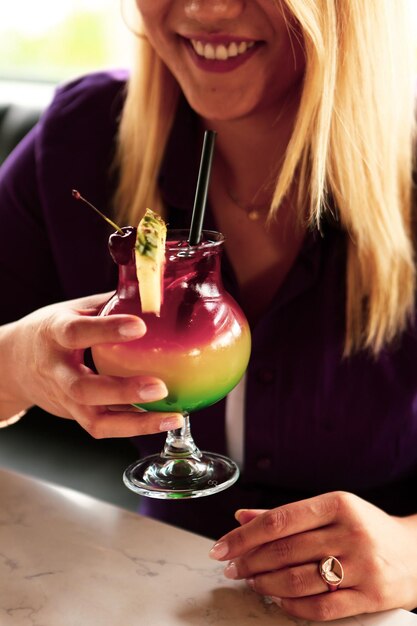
199, 346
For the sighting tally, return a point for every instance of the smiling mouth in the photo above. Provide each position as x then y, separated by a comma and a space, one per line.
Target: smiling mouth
221, 52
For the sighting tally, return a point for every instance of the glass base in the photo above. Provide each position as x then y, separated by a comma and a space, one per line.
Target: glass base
179, 478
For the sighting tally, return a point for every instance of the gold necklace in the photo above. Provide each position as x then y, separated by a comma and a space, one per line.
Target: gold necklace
254, 211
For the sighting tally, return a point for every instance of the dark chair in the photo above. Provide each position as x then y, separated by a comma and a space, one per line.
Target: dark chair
15, 122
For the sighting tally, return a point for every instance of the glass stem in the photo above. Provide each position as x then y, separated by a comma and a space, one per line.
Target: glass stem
180, 443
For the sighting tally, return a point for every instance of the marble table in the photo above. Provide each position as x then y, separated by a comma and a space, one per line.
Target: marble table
67, 559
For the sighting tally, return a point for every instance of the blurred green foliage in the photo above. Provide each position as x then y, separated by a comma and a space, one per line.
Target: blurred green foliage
80, 43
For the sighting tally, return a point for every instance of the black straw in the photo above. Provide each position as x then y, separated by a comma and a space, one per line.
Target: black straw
200, 198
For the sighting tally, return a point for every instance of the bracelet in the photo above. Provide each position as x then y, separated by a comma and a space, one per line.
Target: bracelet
12, 420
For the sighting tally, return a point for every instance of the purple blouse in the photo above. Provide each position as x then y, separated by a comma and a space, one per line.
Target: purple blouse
315, 421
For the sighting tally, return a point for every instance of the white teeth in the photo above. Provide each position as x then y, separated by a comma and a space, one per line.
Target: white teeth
233, 50
220, 52
198, 47
209, 51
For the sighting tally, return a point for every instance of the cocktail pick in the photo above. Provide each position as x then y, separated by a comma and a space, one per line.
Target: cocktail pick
76, 194
203, 180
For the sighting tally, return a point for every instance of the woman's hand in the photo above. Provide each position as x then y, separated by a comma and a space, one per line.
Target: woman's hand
42, 359
278, 553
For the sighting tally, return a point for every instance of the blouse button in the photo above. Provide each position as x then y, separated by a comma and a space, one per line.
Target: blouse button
265, 375
264, 463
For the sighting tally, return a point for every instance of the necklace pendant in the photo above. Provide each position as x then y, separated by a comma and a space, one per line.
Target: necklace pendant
253, 215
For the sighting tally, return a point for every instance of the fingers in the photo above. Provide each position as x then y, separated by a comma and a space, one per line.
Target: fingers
123, 408
243, 516
277, 523
327, 606
89, 305
75, 332
102, 424
86, 397
91, 389
301, 592
301, 580
282, 553
279, 552
292, 582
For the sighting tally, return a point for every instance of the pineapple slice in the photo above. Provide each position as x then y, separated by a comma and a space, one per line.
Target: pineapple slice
150, 260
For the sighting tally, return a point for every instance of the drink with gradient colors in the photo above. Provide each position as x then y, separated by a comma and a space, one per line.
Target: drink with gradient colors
198, 344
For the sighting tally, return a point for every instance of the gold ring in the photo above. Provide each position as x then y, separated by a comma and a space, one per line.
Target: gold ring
331, 571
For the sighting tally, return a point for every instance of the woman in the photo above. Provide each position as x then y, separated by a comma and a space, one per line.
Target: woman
312, 186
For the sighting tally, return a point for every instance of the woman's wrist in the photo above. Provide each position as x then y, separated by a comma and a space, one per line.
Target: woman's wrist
12, 404
409, 526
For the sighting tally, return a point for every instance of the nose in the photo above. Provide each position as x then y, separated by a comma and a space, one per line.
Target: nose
213, 10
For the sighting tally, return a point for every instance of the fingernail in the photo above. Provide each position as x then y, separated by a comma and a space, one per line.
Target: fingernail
276, 600
154, 391
219, 550
250, 583
171, 423
231, 570
239, 513
132, 329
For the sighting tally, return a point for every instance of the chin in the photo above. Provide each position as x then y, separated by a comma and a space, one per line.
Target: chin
220, 111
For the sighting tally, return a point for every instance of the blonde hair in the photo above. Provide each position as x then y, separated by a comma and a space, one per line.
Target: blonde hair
146, 121
352, 141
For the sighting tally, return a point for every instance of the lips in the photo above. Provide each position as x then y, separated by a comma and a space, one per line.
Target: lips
218, 53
